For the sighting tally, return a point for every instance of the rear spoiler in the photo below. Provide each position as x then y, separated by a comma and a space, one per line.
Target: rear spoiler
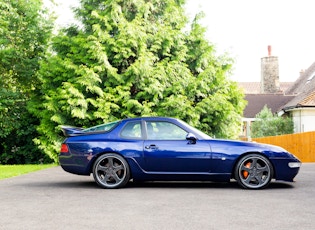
70, 131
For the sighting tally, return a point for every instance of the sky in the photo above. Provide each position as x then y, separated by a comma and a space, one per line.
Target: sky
243, 29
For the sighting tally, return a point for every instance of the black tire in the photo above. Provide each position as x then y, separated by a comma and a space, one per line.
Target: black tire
253, 171
111, 171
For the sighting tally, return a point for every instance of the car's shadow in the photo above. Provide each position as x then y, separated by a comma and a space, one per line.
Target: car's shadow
201, 185
180, 184
62, 184
90, 184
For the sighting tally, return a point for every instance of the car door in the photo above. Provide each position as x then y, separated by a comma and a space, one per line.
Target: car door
167, 150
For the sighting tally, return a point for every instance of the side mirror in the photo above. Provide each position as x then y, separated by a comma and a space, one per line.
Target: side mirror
191, 138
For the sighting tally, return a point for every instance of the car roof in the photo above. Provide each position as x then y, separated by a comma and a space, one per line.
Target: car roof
151, 118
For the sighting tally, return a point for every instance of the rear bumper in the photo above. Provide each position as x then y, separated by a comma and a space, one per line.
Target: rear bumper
74, 164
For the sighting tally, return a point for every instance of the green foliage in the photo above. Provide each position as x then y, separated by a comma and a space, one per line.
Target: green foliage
268, 124
24, 33
18, 128
133, 58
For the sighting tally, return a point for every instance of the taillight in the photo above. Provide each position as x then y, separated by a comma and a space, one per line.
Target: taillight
64, 148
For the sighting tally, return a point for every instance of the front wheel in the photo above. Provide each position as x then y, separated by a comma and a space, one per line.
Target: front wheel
253, 171
111, 171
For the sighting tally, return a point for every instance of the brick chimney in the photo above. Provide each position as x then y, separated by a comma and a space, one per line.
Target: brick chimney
269, 74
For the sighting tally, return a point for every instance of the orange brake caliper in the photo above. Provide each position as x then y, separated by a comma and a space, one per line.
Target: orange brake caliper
245, 173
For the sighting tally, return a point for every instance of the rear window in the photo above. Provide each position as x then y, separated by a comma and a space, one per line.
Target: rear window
132, 130
101, 128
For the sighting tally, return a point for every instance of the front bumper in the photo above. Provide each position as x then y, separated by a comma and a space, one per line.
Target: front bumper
286, 169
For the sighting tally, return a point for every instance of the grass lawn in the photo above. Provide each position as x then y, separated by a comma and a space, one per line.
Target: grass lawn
7, 171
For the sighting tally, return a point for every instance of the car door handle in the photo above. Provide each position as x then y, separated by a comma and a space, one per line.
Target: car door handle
151, 147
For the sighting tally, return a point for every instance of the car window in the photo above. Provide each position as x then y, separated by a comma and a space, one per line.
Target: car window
161, 130
132, 130
99, 128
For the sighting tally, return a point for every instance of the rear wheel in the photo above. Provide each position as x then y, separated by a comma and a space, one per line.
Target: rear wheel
253, 171
111, 171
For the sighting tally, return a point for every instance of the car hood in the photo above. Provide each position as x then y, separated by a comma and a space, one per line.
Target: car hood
248, 145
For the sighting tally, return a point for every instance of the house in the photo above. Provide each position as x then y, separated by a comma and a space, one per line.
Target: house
296, 99
302, 106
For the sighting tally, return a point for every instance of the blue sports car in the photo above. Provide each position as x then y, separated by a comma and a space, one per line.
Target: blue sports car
168, 149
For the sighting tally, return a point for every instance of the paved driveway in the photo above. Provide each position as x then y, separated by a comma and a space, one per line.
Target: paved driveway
54, 199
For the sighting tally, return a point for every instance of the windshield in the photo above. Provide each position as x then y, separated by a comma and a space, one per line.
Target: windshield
101, 128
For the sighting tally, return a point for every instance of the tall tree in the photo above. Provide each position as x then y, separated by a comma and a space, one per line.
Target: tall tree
130, 58
25, 30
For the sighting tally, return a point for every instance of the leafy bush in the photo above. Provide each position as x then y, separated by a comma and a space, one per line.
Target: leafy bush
268, 124
18, 129
25, 29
